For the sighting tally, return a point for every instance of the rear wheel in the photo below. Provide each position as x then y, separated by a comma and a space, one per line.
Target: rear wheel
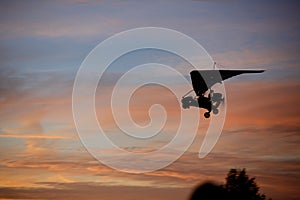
215, 111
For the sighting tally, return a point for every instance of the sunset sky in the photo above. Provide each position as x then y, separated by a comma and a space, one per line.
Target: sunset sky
43, 44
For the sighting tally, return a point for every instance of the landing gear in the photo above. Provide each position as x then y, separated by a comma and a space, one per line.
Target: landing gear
207, 115
187, 102
211, 102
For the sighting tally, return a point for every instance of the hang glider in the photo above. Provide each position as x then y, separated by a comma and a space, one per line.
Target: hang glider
202, 81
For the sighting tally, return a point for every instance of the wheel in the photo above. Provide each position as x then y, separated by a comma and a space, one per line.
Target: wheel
215, 111
206, 115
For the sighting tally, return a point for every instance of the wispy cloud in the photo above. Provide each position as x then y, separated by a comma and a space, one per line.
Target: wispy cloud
33, 136
93, 191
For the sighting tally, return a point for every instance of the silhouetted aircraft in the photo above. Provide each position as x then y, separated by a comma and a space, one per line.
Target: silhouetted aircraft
202, 81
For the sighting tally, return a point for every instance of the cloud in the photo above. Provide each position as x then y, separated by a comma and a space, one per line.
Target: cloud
267, 58
184, 173
51, 20
33, 136
93, 191
29, 114
272, 103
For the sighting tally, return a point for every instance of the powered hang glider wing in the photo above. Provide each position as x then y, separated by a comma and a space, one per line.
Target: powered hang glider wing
202, 80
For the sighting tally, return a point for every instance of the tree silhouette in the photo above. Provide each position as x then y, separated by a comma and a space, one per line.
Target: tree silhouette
240, 186
209, 191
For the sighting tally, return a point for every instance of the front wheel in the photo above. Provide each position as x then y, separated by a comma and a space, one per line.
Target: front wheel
215, 111
206, 115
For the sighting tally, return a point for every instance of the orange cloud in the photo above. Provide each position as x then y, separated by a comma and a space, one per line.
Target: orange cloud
262, 104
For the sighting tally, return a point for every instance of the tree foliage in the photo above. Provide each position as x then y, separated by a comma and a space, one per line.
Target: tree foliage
240, 186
